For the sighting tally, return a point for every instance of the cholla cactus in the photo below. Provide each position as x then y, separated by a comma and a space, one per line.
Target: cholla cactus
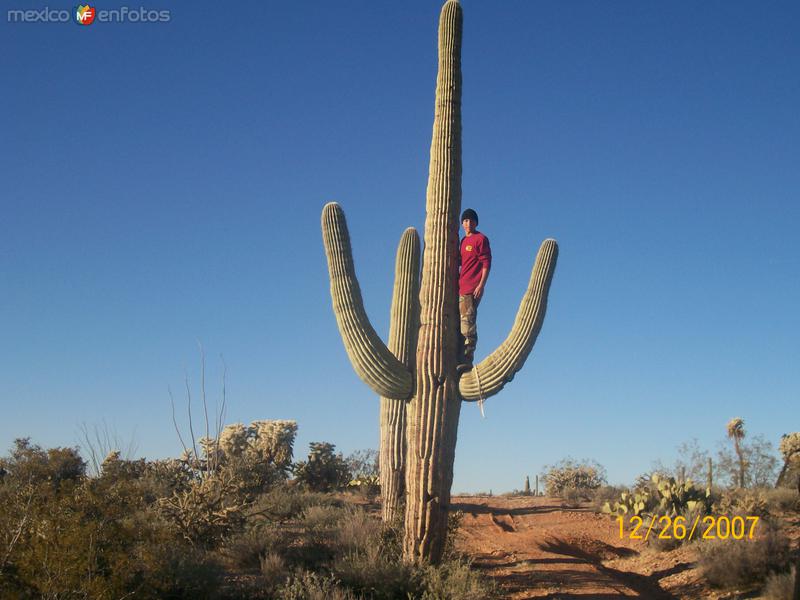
233, 440
433, 386
273, 441
790, 448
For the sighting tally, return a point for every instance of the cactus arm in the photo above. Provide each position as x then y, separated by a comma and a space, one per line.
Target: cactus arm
371, 359
403, 332
501, 365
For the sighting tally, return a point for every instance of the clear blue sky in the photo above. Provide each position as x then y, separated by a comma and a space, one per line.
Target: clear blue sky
162, 184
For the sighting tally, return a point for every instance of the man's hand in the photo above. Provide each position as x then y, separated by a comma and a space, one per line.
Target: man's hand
478, 292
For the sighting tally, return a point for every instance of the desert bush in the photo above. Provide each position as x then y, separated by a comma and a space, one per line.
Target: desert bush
363, 463
607, 493
732, 563
755, 464
455, 580
179, 572
583, 476
370, 574
71, 536
780, 586
284, 503
782, 499
364, 473
745, 502
573, 497
208, 510
692, 463
248, 549
324, 471
221, 485
180, 529
274, 572
307, 585
30, 464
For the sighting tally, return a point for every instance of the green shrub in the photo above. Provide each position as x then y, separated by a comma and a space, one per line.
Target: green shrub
29, 464
324, 471
455, 580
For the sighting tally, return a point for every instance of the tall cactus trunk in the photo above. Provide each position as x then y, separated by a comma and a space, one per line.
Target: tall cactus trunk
710, 482
435, 407
403, 329
740, 455
431, 382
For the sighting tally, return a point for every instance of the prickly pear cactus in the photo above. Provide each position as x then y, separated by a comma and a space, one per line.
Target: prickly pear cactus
433, 388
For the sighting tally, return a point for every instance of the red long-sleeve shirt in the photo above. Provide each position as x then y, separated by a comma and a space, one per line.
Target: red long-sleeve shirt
476, 254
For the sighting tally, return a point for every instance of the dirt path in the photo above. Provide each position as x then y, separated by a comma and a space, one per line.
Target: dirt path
536, 548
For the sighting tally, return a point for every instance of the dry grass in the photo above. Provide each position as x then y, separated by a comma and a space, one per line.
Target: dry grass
740, 563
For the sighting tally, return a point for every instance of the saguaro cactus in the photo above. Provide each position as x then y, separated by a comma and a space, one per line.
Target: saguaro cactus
361, 340
403, 329
433, 385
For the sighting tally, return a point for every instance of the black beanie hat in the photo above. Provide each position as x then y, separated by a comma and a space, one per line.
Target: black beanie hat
470, 214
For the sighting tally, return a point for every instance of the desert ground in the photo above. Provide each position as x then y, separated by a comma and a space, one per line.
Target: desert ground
538, 547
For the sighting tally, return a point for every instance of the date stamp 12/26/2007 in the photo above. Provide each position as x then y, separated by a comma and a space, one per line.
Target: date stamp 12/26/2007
679, 528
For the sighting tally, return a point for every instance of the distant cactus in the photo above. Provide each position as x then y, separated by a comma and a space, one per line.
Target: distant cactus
527, 490
710, 481
736, 433
433, 386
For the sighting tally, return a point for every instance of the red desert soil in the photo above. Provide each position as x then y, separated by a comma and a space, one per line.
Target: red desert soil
535, 547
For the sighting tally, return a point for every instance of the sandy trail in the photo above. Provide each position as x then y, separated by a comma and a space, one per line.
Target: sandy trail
537, 548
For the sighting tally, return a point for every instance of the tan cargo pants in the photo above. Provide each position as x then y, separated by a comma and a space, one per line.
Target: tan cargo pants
468, 309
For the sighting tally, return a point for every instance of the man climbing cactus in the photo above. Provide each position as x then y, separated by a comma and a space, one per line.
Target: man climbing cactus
475, 263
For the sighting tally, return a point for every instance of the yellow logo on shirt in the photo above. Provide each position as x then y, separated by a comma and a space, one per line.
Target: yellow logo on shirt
469, 248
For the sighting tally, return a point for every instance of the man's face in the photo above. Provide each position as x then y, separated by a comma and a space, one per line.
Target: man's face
468, 225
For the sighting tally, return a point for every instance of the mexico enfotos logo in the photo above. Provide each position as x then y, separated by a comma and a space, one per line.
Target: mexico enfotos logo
85, 14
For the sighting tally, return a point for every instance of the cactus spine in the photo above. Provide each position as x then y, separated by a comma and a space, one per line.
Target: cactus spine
433, 385
403, 328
